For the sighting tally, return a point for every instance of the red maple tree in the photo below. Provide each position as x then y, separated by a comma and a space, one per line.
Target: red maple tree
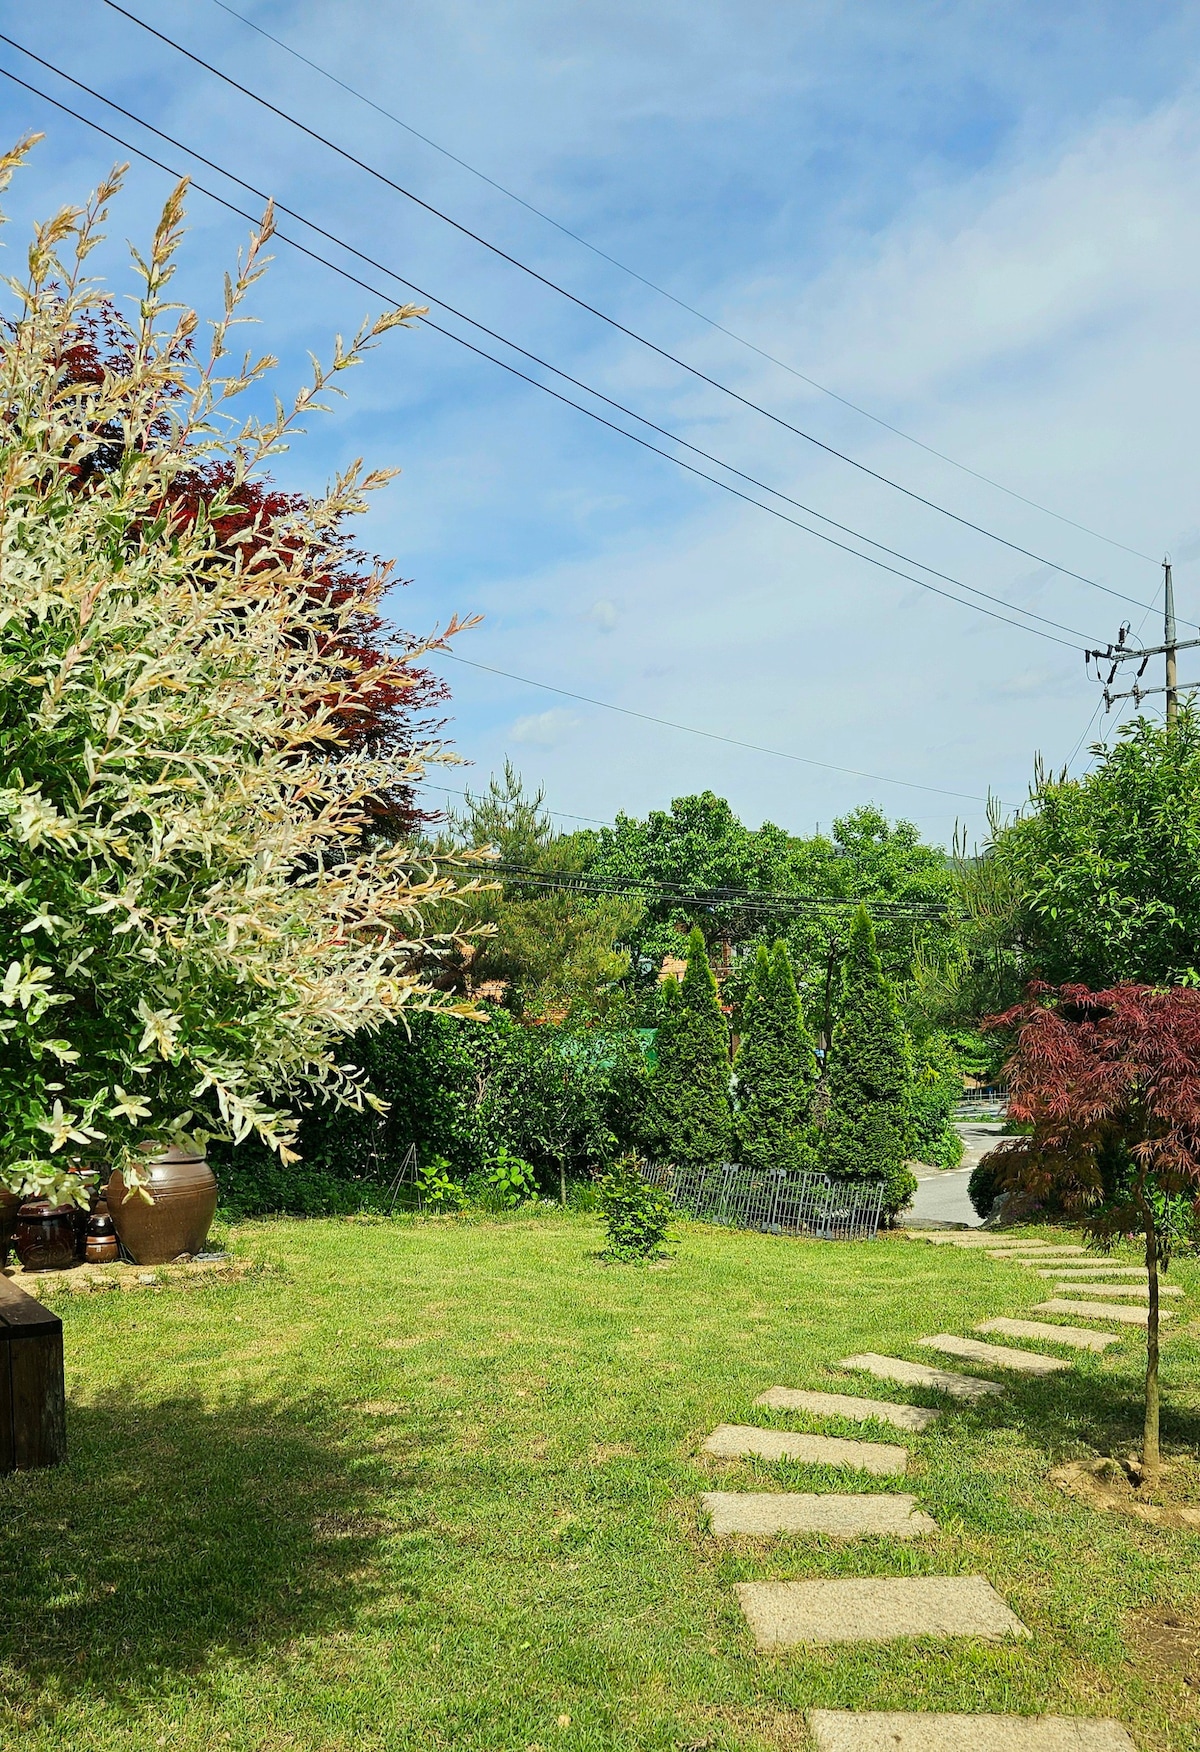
1109, 1083
397, 704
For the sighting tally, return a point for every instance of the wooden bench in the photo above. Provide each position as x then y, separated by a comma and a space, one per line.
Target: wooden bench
33, 1397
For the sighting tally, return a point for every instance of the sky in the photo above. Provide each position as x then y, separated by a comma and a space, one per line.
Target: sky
974, 222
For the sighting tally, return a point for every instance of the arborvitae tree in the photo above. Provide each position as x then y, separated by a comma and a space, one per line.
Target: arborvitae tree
869, 1075
776, 1067
691, 1084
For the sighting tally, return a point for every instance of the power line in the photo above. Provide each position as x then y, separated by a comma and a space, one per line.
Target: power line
662, 291
749, 900
504, 365
710, 735
612, 321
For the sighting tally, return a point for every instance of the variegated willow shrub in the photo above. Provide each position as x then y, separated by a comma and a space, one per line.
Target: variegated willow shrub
193, 909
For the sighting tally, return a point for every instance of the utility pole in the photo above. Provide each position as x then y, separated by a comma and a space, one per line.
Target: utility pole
1119, 652
1169, 643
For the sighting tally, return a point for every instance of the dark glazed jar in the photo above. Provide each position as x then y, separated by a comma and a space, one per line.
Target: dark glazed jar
184, 1193
45, 1236
100, 1244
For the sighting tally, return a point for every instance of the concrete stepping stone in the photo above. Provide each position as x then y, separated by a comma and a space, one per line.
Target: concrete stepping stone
904, 1417
838, 1517
1047, 1256
739, 1441
874, 1609
838, 1730
1078, 1337
990, 1240
921, 1375
1074, 1288
1101, 1311
1091, 1269
994, 1356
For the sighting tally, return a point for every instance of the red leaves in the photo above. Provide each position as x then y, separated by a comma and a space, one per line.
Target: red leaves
1094, 1070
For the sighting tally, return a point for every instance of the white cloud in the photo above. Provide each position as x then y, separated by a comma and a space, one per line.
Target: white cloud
543, 729
603, 614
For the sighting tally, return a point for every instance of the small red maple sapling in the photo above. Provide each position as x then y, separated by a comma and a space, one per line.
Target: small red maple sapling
1109, 1081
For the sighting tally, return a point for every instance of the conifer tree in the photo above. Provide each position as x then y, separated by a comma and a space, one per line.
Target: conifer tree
869, 1075
775, 1067
691, 1084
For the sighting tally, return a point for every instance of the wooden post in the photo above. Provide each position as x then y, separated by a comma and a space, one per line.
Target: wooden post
33, 1395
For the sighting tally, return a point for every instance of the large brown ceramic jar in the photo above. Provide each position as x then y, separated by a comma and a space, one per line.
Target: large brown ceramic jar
45, 1236
184, 1192
10, 1204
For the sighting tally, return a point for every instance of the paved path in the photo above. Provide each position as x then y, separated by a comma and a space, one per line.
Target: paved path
941, 1194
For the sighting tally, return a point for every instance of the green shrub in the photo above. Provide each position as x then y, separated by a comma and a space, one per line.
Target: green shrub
935, 1092
638, 1216
504, 1183
775, 1068
869, 1077
982, 1189
693, 1120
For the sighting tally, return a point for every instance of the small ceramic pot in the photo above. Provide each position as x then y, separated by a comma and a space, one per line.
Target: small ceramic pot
10, 1204
45, 1236
184, 1194
101, 1246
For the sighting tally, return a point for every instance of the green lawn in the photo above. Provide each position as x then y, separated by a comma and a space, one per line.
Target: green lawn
434, 1485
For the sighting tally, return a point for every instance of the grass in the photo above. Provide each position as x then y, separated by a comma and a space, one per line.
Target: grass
434, 1485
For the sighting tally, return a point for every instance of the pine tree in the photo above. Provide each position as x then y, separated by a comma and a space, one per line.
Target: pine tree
691, 1084
869, 1075
775, 1067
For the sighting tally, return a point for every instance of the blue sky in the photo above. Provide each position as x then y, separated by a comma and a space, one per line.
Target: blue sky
977, 222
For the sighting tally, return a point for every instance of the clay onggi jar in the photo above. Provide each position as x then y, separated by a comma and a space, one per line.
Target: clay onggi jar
10, 1204
184, 1191
45, 1236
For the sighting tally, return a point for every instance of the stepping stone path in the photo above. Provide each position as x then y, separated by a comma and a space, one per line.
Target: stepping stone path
837, 1730
921, 1375
904, 1417
1074, 1288
781, 1614
838, 1517
994, 1356
1076, 1336
738, 1441
1100, 1311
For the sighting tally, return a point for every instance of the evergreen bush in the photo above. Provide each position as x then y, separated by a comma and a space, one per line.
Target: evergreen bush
775, 1068
935, 1093
869, 1076
638, 1216
693, 1117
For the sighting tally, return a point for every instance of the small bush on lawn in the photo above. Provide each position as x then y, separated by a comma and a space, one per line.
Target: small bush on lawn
982, 1189
638, 1215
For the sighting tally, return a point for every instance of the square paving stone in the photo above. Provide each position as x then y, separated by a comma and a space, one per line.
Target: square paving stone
1100, 1311
836, 1730
1136, 1291
873, 1609
990, 1240
738, 1441
904, 1417
838, 1517
995, 1356
921, 1375
1076, 1336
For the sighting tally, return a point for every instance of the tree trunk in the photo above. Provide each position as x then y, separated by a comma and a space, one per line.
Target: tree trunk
1151, 1458
562, 1181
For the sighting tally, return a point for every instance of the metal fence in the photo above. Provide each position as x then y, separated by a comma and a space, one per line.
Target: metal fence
774, 1201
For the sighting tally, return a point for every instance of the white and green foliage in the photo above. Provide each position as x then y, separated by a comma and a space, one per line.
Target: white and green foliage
193, 912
